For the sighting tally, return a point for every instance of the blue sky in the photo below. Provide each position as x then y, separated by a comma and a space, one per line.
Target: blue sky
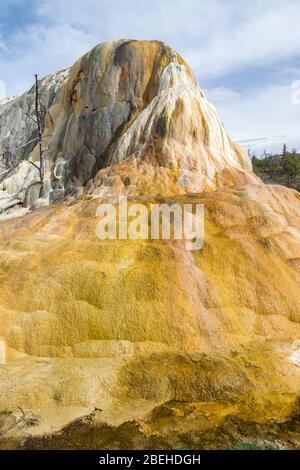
246, 54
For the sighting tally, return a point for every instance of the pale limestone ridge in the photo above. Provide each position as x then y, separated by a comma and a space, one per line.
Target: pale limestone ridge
18, 140
122, 101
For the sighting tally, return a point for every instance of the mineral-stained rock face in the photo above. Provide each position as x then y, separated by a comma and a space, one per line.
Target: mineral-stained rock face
135, 100
18, 140
157, 346
139, 99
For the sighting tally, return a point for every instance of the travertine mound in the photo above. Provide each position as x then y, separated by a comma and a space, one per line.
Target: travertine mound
159, 346
135, 100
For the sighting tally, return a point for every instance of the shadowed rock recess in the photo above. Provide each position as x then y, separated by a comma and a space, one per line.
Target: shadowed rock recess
139, 343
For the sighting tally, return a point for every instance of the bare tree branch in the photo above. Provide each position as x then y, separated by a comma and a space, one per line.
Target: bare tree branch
30, 117
27, 143
48, 112
39, 125
32, 163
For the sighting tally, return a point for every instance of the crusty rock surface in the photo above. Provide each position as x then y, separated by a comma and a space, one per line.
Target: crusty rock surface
143, 343
124, 100
18, 139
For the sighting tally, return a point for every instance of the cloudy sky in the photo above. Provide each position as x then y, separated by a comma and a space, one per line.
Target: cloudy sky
245, 53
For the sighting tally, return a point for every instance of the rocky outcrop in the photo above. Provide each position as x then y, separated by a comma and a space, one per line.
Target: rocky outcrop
133, 101
141, 342
18, 139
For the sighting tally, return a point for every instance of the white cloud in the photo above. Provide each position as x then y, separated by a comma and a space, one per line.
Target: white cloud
2, 43
2, 90
265, 33
216, 36
266, 115
47, 49
223, 94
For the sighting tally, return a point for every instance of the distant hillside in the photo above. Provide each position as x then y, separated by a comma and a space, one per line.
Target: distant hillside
283, 168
